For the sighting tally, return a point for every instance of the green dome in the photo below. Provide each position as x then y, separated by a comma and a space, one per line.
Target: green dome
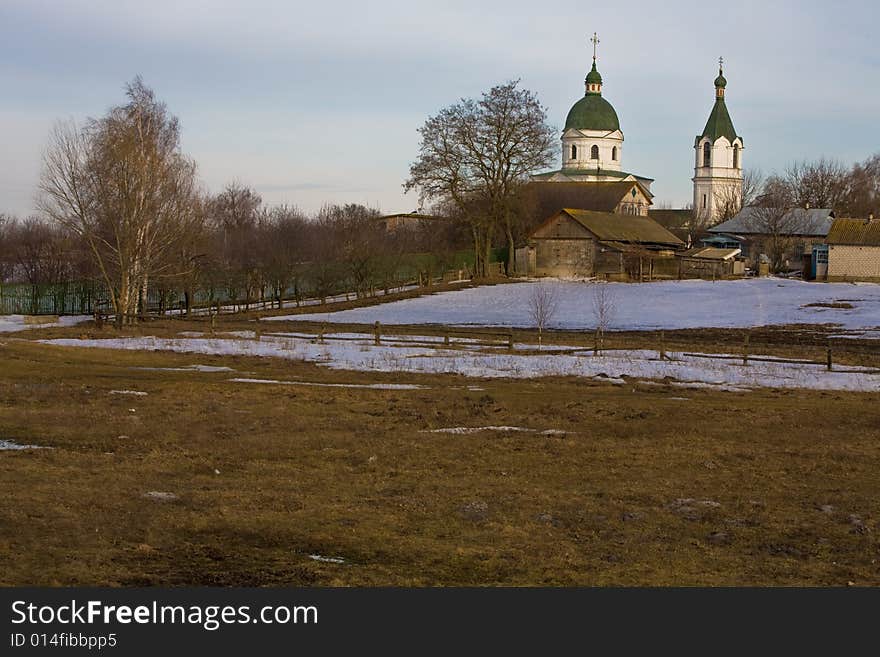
593, 76
592, 112
720, 81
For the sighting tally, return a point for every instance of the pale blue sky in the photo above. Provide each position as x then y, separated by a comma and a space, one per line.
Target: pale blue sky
311, 102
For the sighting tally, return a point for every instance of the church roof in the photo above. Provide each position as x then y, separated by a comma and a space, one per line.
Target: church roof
605, 173
592, 112
548, 198
719, 124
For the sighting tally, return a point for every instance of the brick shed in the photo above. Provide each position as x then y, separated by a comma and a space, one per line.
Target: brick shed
854, 250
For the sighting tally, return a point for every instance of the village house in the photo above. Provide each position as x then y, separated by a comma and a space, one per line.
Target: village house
582, 243
851, 252
753, 228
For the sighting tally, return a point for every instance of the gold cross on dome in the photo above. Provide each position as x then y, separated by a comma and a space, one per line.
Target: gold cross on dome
721, 63
595, 41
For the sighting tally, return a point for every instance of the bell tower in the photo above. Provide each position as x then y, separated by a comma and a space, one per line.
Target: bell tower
718, 162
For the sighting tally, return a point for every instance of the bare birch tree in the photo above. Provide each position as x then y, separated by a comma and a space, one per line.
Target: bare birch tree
543, 303
123, 185
604, 308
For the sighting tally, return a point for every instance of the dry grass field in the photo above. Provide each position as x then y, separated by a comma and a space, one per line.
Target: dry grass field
327, 485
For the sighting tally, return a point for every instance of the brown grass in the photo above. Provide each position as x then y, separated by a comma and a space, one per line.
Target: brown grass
782, 484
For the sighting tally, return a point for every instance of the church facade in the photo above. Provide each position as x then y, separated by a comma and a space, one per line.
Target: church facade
592, 152
592, 141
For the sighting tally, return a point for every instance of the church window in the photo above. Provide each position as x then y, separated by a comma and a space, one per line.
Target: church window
574, 152
736, 157
704, 201
594, 153
707, 154
614, 153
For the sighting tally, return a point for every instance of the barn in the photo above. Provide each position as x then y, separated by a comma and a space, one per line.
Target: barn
581, 243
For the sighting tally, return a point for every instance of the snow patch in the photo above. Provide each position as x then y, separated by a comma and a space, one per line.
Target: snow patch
368, 386
13, 323
463, 431
128, 392
638, 306
9, 445
682, 369
188, 368
323, 559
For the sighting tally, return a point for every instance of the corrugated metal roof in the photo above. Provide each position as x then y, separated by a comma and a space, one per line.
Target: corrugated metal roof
799, 221
623, 227
861, 232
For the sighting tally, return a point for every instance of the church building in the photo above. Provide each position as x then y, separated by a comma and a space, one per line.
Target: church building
592, 141
718, 167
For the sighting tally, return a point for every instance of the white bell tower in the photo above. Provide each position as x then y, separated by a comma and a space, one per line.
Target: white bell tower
718, 163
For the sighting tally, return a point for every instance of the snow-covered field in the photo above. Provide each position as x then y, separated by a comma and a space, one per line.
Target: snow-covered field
646, 306
612, 366
12, 323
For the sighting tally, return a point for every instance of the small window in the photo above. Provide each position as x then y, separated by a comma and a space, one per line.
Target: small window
594, 153
736, 157
574, 152
704, 201
614, 153
707, 154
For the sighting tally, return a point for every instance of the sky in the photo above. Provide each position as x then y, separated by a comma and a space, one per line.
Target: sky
312, 103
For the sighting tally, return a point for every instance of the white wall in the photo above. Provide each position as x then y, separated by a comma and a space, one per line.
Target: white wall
585, 140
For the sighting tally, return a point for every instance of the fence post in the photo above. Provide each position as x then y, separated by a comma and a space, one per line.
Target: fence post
829, 363
378, 333
446, 340
662, 345
746, 350
510, 340
213, 318
257, 334
321, 334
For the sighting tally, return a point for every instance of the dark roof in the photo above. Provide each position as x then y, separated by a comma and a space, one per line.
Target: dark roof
627, 228
862, 232
719, 124
547, 198
672, 218
799, 221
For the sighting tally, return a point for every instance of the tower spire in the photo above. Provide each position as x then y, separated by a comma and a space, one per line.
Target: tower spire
594, 80
720, 81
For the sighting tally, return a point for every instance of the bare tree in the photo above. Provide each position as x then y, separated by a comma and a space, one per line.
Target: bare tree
477, 154
123, 185
7, 260
818, 184
730, 200
543, 303
780, 223
862, 197
604, 308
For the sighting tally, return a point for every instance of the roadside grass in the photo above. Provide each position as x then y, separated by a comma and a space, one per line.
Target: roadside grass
649, 485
